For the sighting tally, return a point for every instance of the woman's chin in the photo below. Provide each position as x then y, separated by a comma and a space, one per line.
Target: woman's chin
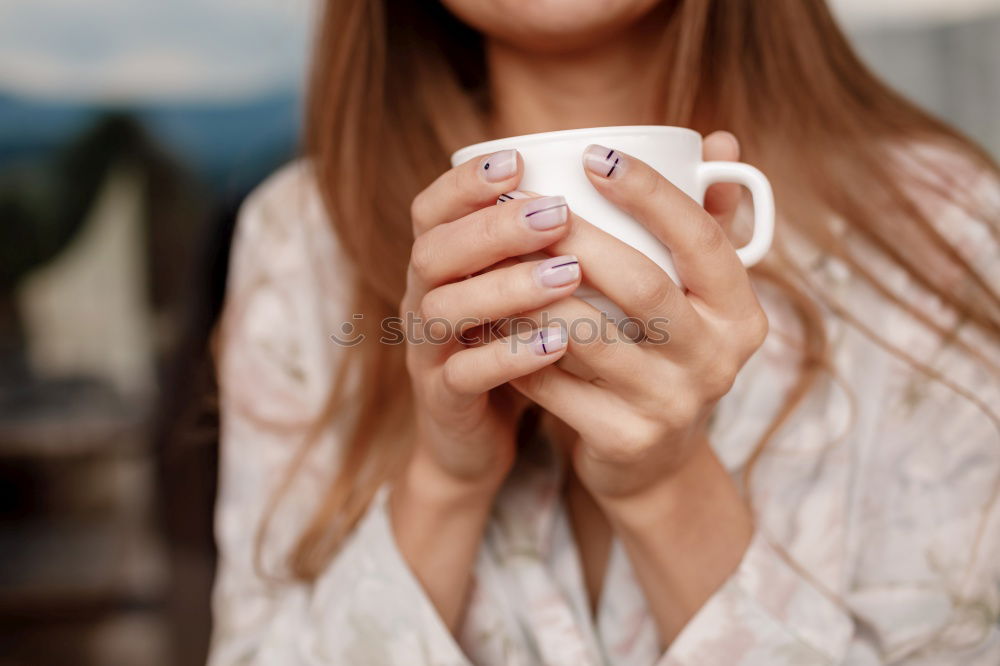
550, 25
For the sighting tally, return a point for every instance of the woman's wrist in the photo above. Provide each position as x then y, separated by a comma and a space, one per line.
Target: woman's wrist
426, 483
468, 463
685, 535
438, 523
698, 493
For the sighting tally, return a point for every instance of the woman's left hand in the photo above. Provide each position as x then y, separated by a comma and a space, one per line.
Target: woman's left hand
644, 417
642, 449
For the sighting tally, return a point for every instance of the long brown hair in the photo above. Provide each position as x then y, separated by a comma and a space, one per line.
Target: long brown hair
409, 78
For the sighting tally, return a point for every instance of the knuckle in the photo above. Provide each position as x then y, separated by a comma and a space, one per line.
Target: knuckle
498, 289
422, 258
490, 230
682, 412
708, 236
648, 435
432, 305
690, 408
452, 376
651, 184
607, 351
718, 379
420, 210
638, 437
652, 295
757, 329
618, 452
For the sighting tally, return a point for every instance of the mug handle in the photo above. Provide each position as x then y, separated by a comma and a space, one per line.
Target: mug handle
710, 173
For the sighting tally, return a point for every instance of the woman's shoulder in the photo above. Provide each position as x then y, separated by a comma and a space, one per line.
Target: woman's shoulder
283, 232
956, 188
287, 200
946, 161
956, 191
288, 289
292, 182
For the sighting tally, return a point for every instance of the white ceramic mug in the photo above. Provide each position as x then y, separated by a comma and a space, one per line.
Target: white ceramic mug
553, 164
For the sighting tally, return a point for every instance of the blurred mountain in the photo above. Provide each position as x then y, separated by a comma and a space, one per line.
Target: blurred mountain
230, 146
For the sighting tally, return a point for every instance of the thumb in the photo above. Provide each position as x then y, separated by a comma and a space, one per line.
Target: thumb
722, 199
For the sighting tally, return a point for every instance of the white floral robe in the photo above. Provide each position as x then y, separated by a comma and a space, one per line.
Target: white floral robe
878, 533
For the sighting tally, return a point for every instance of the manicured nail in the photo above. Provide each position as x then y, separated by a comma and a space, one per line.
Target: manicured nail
557, 271
510, 196
603, 162
545, 212
499, 166
549, 340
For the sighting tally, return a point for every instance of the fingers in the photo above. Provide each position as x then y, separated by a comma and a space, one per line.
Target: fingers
706, 262
574, 401
473, 371
480, 239
722, 199
465, 188
626, 276
595, 340
499, 293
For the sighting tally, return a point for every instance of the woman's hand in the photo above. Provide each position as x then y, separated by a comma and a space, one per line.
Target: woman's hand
643, 451
463, 428
465, 431
645, 414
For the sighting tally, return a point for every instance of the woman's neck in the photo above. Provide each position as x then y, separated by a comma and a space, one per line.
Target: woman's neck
587, 87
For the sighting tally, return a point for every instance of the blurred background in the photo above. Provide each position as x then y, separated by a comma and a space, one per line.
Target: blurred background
130, 131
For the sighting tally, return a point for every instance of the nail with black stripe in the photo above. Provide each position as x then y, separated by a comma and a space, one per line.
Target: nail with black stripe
604, 162
510, 196
549, 340
545, 213
557, 271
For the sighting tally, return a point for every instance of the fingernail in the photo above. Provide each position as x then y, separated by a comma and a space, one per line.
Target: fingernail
604, 162
557, 271
510, 196
499, 166
545, 212
549, 340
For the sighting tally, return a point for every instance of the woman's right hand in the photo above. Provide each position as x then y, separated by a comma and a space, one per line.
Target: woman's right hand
464, 429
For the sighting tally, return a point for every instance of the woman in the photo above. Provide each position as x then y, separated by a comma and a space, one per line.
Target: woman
826, 498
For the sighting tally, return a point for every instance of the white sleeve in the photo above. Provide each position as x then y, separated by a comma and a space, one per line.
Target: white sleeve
285, 298
926, 590
926, 586
767, 612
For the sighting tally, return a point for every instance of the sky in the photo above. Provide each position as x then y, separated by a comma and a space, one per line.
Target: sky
150, 50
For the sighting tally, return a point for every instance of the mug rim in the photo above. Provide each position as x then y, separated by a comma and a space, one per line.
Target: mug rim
490, 146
